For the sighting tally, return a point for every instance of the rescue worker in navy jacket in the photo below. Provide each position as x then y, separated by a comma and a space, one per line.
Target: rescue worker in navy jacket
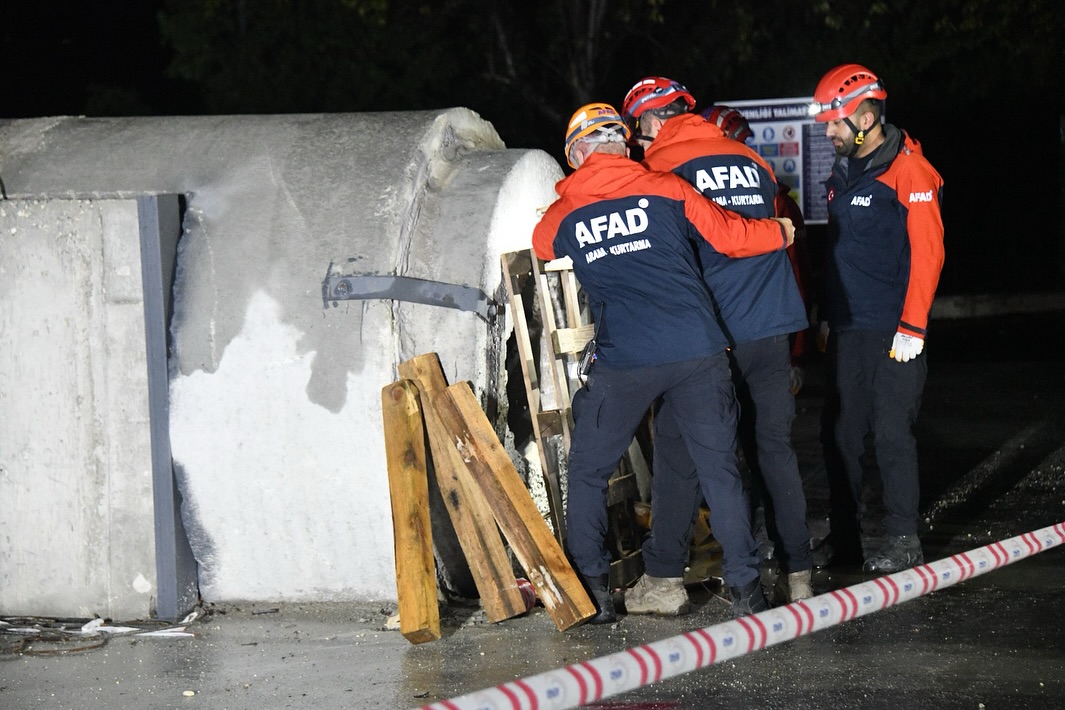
759, 306
885, 255
632, 236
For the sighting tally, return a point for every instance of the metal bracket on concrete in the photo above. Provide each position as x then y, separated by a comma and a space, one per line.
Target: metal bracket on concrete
405, 288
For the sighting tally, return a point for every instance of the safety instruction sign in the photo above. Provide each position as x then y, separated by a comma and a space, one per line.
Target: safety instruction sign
794, 146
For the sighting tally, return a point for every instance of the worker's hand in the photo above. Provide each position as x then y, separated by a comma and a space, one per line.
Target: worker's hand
822, 336
906, 347
789, 228
796, 379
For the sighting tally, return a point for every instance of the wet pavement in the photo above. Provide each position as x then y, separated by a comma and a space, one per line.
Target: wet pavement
992, 447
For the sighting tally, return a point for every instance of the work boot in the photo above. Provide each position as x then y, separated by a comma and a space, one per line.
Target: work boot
898, 553
748, 599
794, 586
599, 591
665, 596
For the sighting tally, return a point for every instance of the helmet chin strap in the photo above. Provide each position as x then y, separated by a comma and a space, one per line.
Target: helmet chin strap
638, 134
859, 137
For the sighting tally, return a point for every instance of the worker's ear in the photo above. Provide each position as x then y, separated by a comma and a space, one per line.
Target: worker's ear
580, 152
656, 124
868, 125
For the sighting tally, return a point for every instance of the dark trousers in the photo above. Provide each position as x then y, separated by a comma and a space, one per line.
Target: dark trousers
879, 395
607, 412
762, 370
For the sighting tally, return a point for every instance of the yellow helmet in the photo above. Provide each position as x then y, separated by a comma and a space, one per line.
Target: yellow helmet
602, 119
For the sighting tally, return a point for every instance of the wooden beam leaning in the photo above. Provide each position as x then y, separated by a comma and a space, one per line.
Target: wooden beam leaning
473, 438
419, 611
466, 505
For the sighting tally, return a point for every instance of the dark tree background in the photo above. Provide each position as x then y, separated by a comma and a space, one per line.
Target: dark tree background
981, 83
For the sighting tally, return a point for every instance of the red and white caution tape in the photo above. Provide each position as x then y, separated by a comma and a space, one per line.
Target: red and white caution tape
602, 677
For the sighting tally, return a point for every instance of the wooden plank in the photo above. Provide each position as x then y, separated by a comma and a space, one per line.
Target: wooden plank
572, 340
571, 299
408, 485
563, 263
621, 487
550, 423
471, 434
473, 521
556, 362
626, 570
559, 298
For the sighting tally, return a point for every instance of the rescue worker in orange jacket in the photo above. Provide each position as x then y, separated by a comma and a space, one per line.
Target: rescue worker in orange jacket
885, 255
759, 306
736, 127
632, 234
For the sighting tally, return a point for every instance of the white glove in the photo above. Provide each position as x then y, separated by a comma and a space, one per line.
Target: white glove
906, 347
796, 379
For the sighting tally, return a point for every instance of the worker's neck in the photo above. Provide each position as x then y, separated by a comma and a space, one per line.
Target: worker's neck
873, 140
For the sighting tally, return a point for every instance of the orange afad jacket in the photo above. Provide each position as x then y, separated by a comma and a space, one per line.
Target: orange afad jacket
757, 297
632, 235
885, 240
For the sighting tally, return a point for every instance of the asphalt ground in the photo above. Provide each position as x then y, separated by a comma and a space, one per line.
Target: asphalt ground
991, 439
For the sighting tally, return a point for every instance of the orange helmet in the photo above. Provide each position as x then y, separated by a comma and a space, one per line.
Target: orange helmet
651, 93
601, 119
841, 90
730, 121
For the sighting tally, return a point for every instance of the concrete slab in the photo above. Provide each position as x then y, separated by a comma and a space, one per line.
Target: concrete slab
274, 392
76, 457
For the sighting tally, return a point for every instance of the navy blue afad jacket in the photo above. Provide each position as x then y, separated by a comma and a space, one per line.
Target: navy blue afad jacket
632, 235
756, 297
885, 240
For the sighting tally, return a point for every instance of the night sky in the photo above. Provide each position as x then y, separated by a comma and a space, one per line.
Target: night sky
62, 56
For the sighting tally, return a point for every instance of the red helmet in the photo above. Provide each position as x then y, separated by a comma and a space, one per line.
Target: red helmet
651, 93
596, 118
730, 121
841, 90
